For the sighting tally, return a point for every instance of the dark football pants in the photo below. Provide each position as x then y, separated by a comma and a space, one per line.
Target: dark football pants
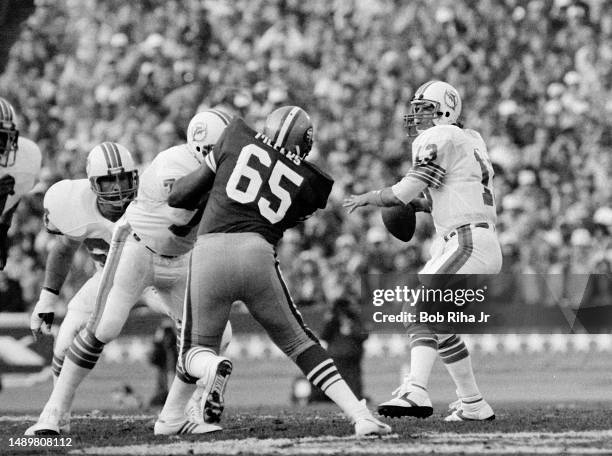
229, 267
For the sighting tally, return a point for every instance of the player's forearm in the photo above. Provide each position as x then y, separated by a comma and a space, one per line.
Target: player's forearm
58, 265
188, 191
382, 198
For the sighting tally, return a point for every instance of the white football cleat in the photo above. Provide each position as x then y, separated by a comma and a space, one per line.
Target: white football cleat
478, 410
185, 426
210, 389
50, 424
365, 427
409, 400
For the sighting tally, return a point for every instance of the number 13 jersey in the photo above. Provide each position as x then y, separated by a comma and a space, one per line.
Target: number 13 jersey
165, 230
258, 188
454, 164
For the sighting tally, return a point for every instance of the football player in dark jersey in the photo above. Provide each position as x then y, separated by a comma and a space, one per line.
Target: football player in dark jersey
260, 185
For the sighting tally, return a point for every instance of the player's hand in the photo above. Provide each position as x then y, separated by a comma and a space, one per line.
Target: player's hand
420, 205
7, 185
43, 313
354, 201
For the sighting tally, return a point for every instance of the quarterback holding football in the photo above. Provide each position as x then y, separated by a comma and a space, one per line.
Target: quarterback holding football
451, 166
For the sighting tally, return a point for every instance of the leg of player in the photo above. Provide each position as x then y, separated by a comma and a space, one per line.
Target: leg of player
208, 302
278, 314
124, 278
78, 312
182, 412
470, 406
411, 397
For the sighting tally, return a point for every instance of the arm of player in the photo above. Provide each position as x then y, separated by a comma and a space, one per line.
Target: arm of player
57, 268
404, 192
189, 191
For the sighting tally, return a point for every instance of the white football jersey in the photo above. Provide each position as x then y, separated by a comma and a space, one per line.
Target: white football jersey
71, 210
455, 165
25, 170
164, 229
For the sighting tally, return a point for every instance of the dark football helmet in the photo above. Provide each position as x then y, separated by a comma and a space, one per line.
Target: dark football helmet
8, 134
290, 127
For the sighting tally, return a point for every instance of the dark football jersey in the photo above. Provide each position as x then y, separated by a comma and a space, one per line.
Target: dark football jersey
258, 188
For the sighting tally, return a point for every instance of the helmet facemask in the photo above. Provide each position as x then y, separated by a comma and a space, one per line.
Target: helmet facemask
422, 116
8, 143
115, 192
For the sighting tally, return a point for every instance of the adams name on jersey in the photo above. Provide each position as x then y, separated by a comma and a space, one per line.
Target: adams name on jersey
166, 230
258, 188
25, 171
454, 164
71, 209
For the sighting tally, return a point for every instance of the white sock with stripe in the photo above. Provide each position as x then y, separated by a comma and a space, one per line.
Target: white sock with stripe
197, 361
458, 362
325, 376
178, 397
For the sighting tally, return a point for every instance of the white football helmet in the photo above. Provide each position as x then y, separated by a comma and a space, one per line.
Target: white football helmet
113, 177
204, 130
434, 103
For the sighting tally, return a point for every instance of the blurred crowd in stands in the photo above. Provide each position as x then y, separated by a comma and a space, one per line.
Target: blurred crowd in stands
535, 76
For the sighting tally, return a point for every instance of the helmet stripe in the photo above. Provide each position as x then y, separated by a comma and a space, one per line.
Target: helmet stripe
224, 117
115, 151
111, 155
6, 110
422, 89
286, 126
106, 157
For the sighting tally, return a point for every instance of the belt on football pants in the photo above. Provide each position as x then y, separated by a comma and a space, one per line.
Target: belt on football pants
151, 250
468, 225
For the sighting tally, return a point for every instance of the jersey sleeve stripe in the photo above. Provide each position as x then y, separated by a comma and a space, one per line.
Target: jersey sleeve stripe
425, 177
210, 162
436, 166
286, 126
434, 172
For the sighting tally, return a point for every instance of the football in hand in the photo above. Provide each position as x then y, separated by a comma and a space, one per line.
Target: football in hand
400, 221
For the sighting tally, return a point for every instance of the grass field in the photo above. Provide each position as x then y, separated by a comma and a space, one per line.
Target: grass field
545, 404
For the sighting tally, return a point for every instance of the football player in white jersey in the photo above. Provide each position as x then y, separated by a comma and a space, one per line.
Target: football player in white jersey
82, 212
150, 247
20, 162
450, 164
